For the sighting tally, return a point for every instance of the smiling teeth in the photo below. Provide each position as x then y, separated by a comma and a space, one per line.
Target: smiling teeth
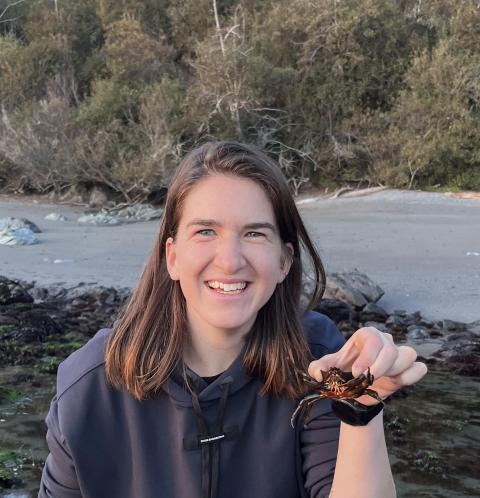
227, 287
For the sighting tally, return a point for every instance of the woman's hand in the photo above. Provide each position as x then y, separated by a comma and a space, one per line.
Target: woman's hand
392, 366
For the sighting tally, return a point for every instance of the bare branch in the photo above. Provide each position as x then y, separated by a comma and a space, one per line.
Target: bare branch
10, 5
217, 24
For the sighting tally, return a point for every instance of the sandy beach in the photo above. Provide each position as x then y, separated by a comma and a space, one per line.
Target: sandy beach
422, 248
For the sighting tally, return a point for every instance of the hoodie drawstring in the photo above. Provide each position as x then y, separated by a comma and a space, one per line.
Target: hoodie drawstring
210, 442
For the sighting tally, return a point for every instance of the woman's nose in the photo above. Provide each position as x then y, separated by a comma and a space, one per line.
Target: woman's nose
229, 256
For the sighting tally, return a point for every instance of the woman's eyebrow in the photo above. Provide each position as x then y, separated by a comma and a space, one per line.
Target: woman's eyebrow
215, 223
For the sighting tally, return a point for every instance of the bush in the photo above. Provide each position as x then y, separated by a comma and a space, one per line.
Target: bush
436, 123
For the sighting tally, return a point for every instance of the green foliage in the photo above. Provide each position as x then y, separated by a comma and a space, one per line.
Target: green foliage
358, 91
190, 23
436, 123
9, 461
12, 17
110, 11
6, 329
26, 69
164, 126
110, 100
133, 56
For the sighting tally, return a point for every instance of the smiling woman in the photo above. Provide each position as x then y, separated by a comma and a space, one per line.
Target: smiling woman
227, 272
192, 392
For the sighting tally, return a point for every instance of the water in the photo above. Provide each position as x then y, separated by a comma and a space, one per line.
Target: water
438, 454
433, 436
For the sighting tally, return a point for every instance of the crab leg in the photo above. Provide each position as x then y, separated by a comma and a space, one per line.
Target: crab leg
306, 399
374, 394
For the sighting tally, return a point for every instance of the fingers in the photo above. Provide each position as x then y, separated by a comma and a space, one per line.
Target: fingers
367, 348
405, 358
411, 375
324, 363
370, 344
370, 348
356, 355
386, 358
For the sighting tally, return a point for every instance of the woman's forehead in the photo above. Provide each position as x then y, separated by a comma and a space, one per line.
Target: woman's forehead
221, 199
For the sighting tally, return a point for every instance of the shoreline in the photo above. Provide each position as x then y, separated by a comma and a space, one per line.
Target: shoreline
419, 247
312, 194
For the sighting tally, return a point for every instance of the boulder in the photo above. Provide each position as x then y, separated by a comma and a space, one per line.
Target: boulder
12, 292
353, 287
11, 223
56, 217
335, 309
416, 333
373, 312
18, 237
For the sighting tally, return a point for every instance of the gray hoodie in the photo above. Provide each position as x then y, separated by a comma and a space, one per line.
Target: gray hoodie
222, 441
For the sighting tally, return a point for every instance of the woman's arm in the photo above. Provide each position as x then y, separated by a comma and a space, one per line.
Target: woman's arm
362, 469
59, 479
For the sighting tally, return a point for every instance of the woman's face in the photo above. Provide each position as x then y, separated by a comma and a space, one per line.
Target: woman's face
227, 254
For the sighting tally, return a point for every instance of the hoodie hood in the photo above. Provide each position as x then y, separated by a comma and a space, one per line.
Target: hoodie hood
180, 394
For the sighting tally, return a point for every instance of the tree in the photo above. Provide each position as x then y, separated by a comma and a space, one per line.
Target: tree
133, 56
436, 122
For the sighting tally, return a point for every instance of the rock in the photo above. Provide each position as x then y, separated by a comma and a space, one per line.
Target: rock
451, 325
413, 318
353, 287
417, 333
347, 327
18, 237
474, 327
397, 326
395, 321
426, 323
377, 325
140, 212
36, 326
12, 292
117, 216
461, 353
15, 223
56, 217
337, 289
307, 289
335, 309
39, 294
101, 219
59, 322
373, 312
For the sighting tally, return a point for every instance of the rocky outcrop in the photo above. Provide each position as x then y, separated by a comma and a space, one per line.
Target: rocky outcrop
42, 325
352, 287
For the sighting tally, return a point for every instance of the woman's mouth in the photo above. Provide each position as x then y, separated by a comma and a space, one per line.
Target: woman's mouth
230, 289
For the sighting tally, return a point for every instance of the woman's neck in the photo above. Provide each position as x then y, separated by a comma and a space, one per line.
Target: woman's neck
211, 352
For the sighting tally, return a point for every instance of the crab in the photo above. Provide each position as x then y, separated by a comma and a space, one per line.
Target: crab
336, 384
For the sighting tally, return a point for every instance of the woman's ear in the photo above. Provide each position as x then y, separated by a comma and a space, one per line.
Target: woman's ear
171, 258
287, 260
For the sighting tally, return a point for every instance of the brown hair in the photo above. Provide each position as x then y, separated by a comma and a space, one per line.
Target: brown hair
147, 340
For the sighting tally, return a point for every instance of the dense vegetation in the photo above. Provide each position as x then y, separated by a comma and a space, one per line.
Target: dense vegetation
113, 93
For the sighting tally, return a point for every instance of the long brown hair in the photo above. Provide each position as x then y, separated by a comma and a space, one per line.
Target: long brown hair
148, 338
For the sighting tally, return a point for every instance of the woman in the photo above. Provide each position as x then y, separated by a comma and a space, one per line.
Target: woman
191, 393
